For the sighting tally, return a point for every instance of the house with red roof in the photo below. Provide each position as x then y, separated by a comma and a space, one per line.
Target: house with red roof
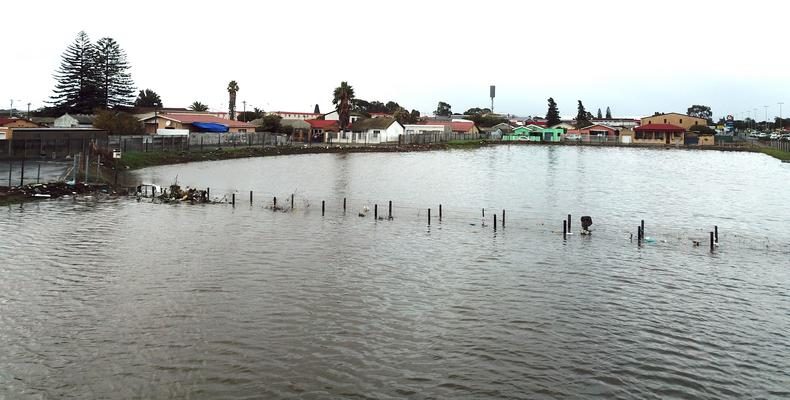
192, 122
7, 126
596, 133
324, 130
294, 115
456, 126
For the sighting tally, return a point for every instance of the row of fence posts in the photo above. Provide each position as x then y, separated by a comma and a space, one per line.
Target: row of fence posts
713, 241
566, 223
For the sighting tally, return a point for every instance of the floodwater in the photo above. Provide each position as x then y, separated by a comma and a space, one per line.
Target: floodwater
124, 299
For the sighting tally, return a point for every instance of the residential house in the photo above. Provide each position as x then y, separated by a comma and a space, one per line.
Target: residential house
8, 124
596, 133
294, 115
456, 126
165, 123
564, 126
300, 129
74, 121
380, 115
534, 133
666, 134
323, 130
375, 130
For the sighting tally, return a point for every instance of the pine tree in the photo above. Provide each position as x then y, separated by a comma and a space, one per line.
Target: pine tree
148, 99
553, 114
316, 110
76, 89
608, 113
600, 115
115, 85
582, 116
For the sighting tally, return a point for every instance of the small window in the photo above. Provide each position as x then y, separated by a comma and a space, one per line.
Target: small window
376, 134
681, 120
665, 120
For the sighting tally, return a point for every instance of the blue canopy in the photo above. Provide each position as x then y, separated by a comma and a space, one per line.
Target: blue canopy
210, 127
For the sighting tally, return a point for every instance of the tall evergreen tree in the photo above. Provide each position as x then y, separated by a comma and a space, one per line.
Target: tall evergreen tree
582, 116
608, 113
553, 114
76, 89
600, 115
233, 88
114, 82
316, 110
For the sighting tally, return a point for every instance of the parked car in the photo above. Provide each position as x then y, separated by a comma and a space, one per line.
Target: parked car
786, 136
775, 136
573, 137
763, 135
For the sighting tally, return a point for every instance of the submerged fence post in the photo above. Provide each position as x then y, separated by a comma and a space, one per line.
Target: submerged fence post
429, 217
38, 174
569, 224
711, 242
22, 178
274, 203
292, 201
233, 199
344, 204
250, 196
716, 233
503, 218
494, 222
642, 225
390, 211
639, 236
484, 213
440, 213
208, 189
564, 230
323, 207
375, 211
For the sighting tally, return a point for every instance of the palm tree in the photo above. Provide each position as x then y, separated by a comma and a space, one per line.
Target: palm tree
198, 106
233, 87
343, 96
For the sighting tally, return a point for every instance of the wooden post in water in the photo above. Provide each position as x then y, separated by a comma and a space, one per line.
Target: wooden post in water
639, 236
642, 225
503, 218
375, 211
233, 199
22, 179
495, 222
711, 242
323, 207
274, 203
564, 230
569, 224
440, 213
292, 201
250, 196
38, 174
390, 211
208, 189
344, 204
716, 233
484, 213
429, 217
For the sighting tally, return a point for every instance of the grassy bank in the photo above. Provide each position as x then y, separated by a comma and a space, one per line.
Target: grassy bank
776, 153
467, 144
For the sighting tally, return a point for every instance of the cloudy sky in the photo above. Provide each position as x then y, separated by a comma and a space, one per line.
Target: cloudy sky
637, 57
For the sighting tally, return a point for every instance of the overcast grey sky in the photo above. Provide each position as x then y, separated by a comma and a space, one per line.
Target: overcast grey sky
635, 56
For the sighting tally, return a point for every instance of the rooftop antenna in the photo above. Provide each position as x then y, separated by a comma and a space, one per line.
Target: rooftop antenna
492, 90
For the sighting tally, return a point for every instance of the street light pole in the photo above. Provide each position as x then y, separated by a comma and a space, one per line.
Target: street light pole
766, 117
781, 121
244, 102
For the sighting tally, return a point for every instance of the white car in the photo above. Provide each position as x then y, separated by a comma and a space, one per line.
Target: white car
573, 137
775, 136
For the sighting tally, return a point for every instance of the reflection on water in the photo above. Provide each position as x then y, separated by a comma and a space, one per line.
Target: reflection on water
119, 299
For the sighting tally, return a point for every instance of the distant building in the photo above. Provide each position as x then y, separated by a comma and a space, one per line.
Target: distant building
666, 134
8, 124
335, 116
456, 126
596, 132
376, 130
294, 115
682, 120
301, 129
628, 123
74, 121
419, 129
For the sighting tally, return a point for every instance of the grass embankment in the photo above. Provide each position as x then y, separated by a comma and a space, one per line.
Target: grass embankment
776, 153
467, 144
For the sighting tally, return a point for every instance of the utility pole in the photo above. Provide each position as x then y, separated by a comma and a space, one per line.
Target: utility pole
766, 117
781, 121
244, 102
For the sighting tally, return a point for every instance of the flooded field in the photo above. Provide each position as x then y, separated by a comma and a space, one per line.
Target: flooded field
126, 299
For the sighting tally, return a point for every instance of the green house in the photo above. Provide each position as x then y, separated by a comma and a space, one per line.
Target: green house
534, 133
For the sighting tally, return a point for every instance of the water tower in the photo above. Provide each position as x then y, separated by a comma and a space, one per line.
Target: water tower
492, 92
